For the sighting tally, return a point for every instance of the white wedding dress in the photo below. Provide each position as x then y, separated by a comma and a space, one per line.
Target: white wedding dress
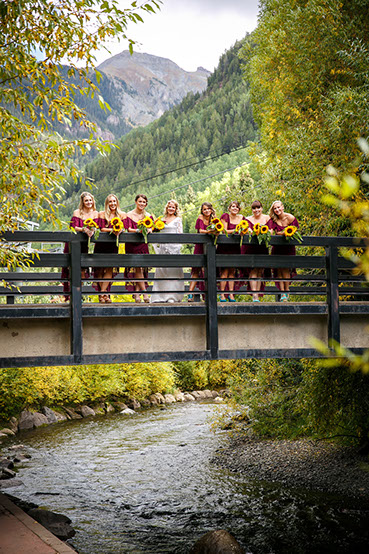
176, 287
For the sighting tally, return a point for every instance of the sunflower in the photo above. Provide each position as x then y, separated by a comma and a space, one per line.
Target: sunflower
159, 225
264, 229
147, 222
289, 231
115, 221
215, 220
219, 227
256, 230
90, 223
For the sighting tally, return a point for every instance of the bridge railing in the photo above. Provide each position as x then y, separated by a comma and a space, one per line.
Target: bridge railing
323, 274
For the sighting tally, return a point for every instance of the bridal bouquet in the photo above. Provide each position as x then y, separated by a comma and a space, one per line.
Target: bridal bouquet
217, 227
242, 229
263, 234
144, 225
93, 226
117, 227
291, 232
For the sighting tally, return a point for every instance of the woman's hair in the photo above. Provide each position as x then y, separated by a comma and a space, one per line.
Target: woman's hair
107, 211
176, 205
271, 211
142, 196
81, 204
234, 202
256, 204
208, 205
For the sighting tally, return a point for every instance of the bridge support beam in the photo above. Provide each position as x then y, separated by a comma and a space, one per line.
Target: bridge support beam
333, 294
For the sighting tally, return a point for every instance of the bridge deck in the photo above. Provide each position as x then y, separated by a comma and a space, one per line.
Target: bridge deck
328, 301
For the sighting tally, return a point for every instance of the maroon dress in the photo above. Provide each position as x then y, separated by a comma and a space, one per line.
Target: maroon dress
104, 248
284, 250
134, 248
230, 249
199, 249
256, 248
74, 222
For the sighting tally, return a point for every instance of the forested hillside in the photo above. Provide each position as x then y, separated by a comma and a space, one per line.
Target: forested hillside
203, 128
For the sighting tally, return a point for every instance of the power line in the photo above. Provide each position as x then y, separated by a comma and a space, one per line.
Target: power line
189, 184
182, 167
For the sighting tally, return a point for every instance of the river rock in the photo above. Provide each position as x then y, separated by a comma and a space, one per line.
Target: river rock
6, 463
198, 394
188, 397
208, 393
30, 420
128, 411
60, 417
133, 404
50, 414
13, 424
179, 396
7, 473
214, 393
7, 432
86, 411
169, 399
156, 398
226, 393
57, 524
217, 542
109, 409
119, 406
71, 413
218, 399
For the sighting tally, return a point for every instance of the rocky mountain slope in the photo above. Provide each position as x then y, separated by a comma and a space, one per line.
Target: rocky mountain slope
146, 86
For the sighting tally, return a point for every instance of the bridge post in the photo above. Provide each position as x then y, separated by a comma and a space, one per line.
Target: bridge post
331, 261
76, 338
212, 342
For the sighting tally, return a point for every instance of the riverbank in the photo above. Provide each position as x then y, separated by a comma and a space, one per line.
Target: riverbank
300, 464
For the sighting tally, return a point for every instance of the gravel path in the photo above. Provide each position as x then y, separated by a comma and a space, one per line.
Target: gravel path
307, 464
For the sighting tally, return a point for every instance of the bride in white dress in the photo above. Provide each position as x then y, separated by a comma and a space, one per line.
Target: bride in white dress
173, 224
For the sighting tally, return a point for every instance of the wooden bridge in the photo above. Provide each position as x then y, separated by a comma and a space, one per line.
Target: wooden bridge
327, 301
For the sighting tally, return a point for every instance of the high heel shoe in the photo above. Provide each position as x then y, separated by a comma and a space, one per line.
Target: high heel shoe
222, 299
137, 298
231, 299
189, 298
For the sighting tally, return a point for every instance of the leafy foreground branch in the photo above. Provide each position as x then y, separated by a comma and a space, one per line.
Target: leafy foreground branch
36, 39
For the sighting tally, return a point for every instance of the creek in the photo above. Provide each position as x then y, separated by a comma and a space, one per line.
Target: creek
146, 484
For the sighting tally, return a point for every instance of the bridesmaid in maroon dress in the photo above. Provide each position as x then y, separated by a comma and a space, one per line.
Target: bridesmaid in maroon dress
230, 221
281, 220
111, 210
206, 215
132, 273
86, 210
257, 216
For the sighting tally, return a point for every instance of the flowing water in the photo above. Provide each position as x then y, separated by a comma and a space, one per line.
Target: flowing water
145, 484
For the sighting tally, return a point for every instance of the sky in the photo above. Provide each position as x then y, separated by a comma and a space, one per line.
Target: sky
191, 33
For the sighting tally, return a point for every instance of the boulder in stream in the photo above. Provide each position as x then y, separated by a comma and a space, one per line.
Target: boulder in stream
30, 420
217, 542
57, 524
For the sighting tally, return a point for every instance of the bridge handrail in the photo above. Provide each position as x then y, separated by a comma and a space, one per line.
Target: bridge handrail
329, 263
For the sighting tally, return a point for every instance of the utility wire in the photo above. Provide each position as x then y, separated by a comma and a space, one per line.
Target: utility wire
188, 184
182, 167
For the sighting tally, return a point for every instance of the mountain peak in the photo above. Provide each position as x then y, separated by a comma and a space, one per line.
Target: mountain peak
149, 85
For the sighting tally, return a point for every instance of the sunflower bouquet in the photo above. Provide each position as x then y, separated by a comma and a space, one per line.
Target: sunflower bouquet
93, 226
242, 229
144, 225
263, 234
217, 227
117, 227
159, 225
291, 232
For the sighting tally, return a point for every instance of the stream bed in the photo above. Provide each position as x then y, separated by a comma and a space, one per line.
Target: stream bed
146, 484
